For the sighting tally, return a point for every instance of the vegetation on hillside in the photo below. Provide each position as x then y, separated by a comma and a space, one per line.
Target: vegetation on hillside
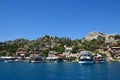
48, 43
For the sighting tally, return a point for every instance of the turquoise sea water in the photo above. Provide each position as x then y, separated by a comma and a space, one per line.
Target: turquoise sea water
59, 71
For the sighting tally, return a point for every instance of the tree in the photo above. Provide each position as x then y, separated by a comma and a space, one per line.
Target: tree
60, 49
117, 37
72, 59
45, 52
100, 40
75, 49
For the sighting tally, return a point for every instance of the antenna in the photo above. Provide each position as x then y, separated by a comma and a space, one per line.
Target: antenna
94, 29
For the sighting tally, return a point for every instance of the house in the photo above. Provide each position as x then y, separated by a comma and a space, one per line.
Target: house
52, 53
21, 52
67, 52
115, 51
52, 56
35, 58
74, 55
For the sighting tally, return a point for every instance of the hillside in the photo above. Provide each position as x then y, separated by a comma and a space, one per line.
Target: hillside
94, 41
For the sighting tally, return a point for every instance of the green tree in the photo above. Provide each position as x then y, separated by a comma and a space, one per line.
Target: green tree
72, 59
45, 52
60, 49
75, 49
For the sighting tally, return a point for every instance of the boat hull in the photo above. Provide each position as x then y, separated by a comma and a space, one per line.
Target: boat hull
86, 62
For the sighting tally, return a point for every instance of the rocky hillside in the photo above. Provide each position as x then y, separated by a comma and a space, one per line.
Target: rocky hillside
93, 35
108, 37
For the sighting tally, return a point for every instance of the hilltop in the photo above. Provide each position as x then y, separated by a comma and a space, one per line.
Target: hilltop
107, 37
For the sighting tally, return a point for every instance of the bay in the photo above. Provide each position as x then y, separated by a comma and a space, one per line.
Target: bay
59, 71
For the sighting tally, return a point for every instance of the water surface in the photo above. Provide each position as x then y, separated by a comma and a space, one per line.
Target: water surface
59, 71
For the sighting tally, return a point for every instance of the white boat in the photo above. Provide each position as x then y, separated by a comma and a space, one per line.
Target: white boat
7, 61
86, 61
86, 57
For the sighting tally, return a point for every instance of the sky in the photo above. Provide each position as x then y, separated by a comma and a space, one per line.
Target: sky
31, 19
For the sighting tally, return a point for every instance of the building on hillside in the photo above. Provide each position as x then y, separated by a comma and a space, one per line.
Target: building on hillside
115, 51
74, 55
114, 43
52, 56
117, 56
52, 53
21, 52
67, 52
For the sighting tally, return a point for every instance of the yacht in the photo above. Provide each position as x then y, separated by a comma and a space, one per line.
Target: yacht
86, 57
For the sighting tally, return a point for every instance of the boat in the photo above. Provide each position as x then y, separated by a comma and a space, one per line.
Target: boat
86, 57
98, 58
54, 59
7, 61
35, 58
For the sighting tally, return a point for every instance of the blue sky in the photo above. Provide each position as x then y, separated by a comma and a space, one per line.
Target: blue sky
31, 19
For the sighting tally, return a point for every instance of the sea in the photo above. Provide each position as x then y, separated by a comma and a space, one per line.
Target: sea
59, 71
